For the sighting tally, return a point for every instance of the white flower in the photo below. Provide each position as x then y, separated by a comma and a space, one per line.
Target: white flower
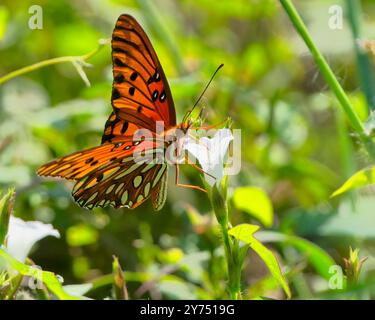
22, 235
211, 152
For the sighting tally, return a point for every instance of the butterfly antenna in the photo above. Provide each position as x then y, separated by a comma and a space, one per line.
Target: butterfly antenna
203, 92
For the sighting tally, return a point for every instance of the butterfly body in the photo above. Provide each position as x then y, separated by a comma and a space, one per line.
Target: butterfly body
141, 99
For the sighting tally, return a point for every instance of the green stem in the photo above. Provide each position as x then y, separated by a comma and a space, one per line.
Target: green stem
228, 257
234, 286
220, 208
325, 69
45, 63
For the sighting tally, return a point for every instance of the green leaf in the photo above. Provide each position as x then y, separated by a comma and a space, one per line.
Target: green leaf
255, 202
359, 179
244, 232
48, 278
6, 208
316, 256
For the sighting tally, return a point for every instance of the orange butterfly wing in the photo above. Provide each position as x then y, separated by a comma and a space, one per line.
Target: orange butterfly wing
140, 94
108, 174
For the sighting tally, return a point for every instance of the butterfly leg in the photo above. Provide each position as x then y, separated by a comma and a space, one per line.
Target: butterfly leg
185, 185
200, 169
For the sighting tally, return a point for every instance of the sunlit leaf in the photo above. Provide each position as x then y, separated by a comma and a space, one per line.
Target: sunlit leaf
255, 202
244, 232
359, 179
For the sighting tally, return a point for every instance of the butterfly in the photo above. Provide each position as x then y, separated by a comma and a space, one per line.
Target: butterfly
108, 175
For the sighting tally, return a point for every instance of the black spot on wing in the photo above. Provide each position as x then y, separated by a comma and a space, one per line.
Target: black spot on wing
133, 76
124, 127
115, 94
119, 78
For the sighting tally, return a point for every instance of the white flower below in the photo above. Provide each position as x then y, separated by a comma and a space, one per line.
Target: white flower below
211, 153
22, 235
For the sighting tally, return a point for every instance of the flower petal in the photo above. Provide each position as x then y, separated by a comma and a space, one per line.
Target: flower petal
22, 235
211, 154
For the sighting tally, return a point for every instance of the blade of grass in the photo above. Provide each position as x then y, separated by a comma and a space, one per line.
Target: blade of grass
325, 69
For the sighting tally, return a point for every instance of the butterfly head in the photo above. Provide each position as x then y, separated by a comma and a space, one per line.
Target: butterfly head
186, 125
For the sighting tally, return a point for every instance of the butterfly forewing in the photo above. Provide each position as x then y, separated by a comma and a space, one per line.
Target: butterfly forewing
140, 88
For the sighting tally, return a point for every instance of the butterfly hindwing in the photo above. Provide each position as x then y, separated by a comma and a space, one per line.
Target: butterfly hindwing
126, 187
109, 174
159, 193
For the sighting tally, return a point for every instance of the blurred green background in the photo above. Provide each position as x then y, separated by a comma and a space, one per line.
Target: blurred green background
295, 142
